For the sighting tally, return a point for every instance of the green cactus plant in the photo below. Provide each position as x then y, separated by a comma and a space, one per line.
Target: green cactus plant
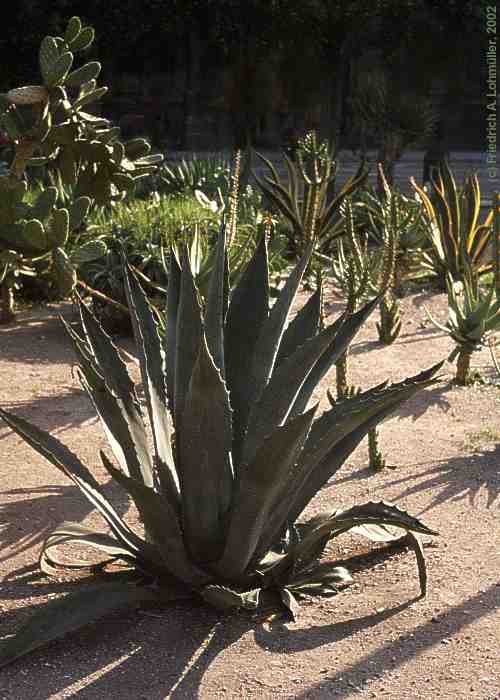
49, 127
359, 273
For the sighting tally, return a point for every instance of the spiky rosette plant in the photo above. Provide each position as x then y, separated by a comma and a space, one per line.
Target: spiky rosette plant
473, 317
237, 453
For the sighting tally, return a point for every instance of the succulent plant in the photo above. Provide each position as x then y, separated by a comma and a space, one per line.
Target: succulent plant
49, 125
305, 202
457, 237
410, 223
360, 272
237, 452
473, 316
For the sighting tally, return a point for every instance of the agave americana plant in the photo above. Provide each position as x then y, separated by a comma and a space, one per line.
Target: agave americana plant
237, 453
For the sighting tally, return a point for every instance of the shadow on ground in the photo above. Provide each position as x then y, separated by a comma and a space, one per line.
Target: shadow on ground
456, 479
27, 516
36, 332
54, 413
157, 654
350, 680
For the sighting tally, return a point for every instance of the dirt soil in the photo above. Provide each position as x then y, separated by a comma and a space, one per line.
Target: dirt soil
375, 640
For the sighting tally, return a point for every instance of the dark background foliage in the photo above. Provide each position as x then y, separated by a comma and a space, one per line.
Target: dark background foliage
244, 60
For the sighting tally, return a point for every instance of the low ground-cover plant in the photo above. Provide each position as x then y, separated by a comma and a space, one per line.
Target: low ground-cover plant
237, 452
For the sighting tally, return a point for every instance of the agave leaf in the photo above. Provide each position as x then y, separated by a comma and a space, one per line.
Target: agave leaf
162, 524
248, 310
173, 293
347, 329
277, 399
290, 603
59, 617
113, 369
205, 463
188, 337
225, 599
346, 416
304, 325
415, 543
67, 532
314, 470
257, 487
65, 460
214, 311
152, 362
273, 327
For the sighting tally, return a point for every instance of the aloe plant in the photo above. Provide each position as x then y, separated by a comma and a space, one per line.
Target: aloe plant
473, 317
237, 452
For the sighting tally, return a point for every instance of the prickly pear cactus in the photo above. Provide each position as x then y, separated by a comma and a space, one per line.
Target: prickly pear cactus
49, 125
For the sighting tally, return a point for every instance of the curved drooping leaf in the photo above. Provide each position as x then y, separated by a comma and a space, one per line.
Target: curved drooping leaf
65, 460
257, 486
204, 449
248, 310
152, 363
68, 532
300, 555
61, 616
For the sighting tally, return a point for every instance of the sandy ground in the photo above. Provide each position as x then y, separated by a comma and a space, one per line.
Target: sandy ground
372, 641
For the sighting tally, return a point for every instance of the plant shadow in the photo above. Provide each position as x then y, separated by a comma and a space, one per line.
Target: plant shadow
38, 337
456, 479
351, 679
27, 516
149, 653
